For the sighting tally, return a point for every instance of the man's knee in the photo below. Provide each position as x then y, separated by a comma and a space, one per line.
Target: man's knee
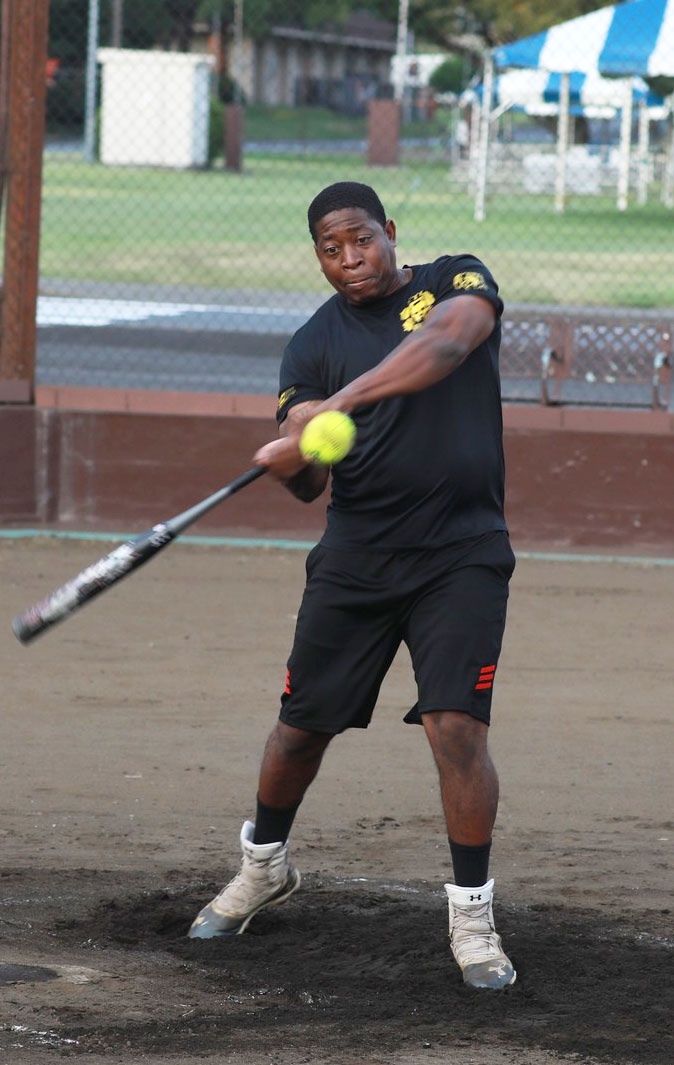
455, 735
298, 743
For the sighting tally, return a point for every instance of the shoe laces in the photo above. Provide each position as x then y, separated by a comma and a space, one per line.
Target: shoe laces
473, 935
254, 877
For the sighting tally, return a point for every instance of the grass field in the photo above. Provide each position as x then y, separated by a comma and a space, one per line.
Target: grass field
265, 122
217, 229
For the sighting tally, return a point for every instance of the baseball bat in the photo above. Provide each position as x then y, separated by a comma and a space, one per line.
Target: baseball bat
118, 564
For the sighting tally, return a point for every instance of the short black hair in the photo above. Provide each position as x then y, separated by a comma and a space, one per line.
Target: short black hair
345, 194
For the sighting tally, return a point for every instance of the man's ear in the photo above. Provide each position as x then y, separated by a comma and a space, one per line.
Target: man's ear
390, 230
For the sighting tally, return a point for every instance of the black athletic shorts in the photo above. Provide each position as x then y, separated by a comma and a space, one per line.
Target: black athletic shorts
448, 605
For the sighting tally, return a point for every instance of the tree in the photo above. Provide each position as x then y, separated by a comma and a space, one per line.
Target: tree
454, 26
450, 76
260, 15
470, 28
144, 25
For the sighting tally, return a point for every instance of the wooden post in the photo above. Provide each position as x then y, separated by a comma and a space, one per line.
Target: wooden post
28, 24
234, 119
383, 132
4, 92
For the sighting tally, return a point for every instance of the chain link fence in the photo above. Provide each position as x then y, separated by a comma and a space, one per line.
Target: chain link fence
184, 143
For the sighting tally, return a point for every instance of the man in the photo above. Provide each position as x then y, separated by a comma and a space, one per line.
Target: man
415, 550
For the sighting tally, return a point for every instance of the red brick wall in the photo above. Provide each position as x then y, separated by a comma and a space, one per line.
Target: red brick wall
576, 478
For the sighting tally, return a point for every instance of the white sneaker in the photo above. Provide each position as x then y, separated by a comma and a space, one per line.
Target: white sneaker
266, 878
473, 939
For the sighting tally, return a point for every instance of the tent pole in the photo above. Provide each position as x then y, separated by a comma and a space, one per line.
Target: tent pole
474, 142
483, 149
625, 147
667, 194
562, 143
644, 128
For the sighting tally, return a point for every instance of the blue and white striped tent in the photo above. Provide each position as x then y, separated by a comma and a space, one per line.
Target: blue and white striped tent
632, 38
626, 40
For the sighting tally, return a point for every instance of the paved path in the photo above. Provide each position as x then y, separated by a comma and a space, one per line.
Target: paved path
177, 345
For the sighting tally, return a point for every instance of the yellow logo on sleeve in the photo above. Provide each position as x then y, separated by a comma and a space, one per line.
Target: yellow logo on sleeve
470, 279
285, 396
412, 316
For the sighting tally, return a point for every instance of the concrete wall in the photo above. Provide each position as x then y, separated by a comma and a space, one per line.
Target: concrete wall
121, 461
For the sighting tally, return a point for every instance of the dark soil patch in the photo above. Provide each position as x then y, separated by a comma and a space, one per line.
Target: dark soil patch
368, 968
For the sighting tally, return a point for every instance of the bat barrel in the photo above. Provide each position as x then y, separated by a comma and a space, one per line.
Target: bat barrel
89, 583
123, 560
26, 626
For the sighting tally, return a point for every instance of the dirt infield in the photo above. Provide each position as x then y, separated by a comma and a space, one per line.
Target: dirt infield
130, 743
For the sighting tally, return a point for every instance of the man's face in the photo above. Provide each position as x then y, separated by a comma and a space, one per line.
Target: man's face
356, 255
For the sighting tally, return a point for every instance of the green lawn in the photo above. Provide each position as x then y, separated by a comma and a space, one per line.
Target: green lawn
268, 123
220, 230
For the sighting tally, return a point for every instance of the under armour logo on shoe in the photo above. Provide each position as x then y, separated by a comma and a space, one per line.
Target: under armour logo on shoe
498, 969
476, 898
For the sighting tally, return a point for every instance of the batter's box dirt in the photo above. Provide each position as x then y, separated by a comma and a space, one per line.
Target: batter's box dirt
365, 967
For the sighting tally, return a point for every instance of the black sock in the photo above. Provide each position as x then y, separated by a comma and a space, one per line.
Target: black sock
273, 825
471, 864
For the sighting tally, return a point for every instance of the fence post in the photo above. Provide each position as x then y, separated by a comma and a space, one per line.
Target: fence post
383, 132
26, 91
233, 136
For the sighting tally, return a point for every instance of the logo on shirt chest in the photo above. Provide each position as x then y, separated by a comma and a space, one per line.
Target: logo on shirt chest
418, 306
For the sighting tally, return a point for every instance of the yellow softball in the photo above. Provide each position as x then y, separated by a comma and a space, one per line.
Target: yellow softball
328, 438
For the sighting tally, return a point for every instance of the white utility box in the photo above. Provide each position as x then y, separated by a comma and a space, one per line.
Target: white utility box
154, 108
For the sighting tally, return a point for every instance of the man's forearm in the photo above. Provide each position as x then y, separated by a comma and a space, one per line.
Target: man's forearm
410, 368
451, 332
308, 484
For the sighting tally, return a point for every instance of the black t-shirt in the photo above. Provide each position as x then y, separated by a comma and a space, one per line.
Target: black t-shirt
427, 469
